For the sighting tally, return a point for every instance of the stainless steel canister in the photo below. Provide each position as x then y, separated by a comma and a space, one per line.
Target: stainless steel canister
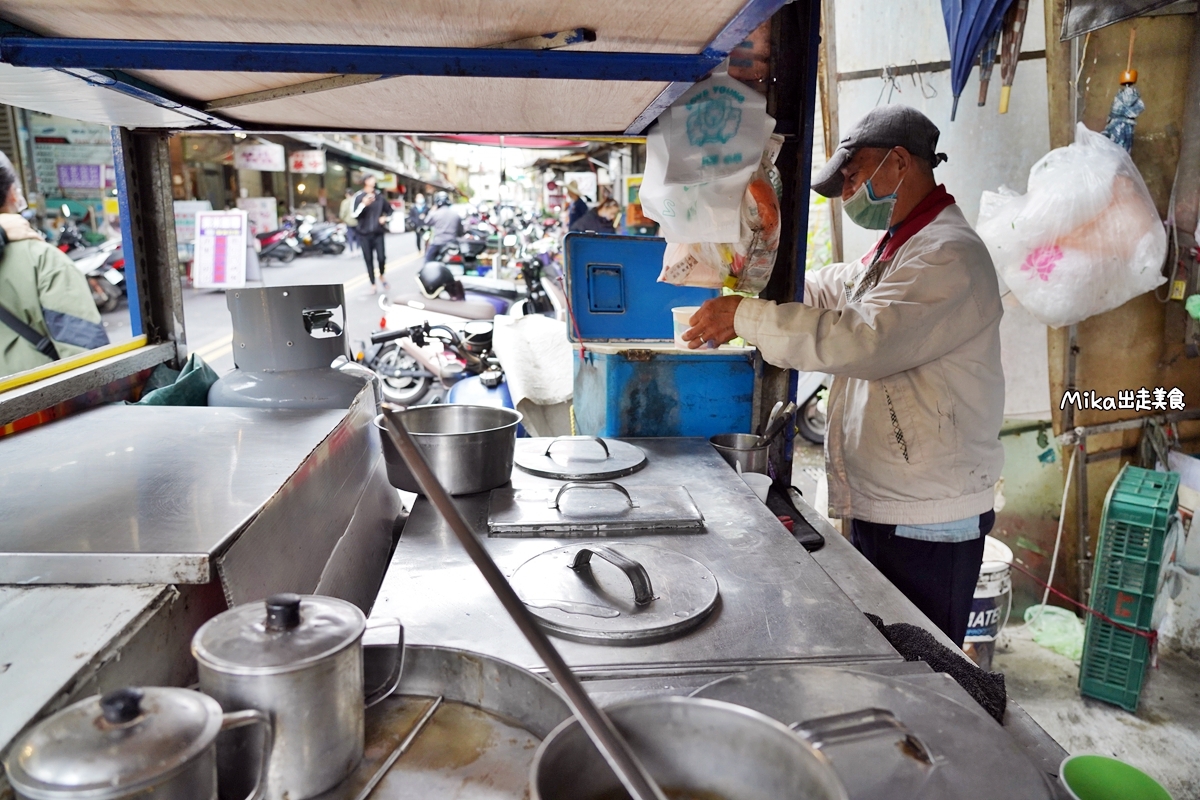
156, 743
742, 448
300, 660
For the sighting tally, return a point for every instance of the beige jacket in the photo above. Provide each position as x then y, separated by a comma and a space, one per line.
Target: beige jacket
917, 398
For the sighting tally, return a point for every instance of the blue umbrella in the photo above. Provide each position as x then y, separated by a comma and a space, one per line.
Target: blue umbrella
970, 25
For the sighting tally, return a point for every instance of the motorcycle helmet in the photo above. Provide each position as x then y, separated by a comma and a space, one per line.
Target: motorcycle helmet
435, 277
441, 199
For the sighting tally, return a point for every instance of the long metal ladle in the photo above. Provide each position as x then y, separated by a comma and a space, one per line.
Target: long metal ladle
599, 728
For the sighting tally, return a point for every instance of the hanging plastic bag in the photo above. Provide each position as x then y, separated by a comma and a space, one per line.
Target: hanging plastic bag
743, 264
702, 212
715, 130
1083, 240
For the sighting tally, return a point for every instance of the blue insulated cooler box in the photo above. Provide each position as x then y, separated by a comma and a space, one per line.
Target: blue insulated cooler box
631, 380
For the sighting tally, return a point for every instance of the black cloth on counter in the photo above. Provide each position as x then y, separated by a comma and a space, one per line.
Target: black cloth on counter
781, 506
918, 644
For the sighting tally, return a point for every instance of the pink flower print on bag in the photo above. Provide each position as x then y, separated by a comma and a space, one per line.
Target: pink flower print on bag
1043, 260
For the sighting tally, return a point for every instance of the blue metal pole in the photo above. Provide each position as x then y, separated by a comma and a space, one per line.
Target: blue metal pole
108, 54
127, 249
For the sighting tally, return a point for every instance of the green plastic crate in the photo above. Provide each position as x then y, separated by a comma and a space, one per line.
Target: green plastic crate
1114, 664
1137, 513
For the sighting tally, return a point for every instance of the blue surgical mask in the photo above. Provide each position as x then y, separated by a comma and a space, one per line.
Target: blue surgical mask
869, 211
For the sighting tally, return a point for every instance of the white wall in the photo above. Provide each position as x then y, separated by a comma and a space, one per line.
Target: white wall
986, 148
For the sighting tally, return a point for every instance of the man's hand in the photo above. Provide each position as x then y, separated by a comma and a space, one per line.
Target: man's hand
713, 323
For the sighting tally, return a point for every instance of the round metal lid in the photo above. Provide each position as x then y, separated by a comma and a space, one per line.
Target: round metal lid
578, 458
106, 746
616, 594
282, 633
890, 738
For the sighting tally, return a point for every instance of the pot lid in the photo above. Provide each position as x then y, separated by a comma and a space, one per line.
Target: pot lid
592, 508
619, 594
105, 746
888, 737
281, 633
575, 458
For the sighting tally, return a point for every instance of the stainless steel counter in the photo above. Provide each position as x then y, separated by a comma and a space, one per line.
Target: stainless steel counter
776, 604
143, 494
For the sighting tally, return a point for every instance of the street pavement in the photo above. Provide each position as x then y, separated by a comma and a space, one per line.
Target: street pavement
210, 330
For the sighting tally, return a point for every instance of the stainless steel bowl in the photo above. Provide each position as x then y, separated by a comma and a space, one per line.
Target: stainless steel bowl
745, 448
469, 448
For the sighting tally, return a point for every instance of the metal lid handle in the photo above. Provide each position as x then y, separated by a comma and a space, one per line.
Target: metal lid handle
283, 612
240, 719
591, 485
121, 705
595, 439
643, 592
862, 724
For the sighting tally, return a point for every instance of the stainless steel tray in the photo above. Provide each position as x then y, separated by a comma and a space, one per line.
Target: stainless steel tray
593, 509
478, 744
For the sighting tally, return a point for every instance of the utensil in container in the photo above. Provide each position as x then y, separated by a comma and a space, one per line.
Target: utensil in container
693, 749
156, 743
742, 448
300, 660
469, 448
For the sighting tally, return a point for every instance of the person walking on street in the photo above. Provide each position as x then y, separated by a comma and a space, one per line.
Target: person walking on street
416, 217
346, 215
371, 209
46, 308
445, 226
578, 206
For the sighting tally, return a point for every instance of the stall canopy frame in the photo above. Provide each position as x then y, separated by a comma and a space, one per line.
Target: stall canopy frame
615, 84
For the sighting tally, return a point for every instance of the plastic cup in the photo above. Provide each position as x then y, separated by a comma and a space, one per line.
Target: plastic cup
1092, 777
761, 484
681, 315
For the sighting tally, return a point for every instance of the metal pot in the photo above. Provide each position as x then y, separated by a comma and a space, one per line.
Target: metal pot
469, 448
744, 448
300, 660
153, 744
692, 748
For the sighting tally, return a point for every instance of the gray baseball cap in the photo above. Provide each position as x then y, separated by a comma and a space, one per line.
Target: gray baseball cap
883, 126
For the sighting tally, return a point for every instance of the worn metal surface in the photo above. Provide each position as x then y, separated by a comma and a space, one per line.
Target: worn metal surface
480, 741
969, 756
53, 636
26, 400
133, 494
578, 458
287, 545
596, 602
605, 508
777, 605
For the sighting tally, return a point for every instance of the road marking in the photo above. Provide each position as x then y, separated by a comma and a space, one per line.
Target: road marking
207, 350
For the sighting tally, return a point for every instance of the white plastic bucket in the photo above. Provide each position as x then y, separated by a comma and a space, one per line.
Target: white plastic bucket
993, 593
681, 320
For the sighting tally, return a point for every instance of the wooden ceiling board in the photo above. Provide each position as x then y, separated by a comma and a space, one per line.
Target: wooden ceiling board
460, 105
667, 26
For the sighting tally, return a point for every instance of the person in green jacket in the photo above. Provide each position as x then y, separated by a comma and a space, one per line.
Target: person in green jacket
40, 289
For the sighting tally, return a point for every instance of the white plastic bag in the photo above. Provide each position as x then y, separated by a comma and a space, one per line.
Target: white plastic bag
744, 263
716, 129
1083, 240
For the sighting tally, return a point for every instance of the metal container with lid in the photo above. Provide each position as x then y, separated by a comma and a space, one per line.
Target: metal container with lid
156, 743
625, 594
299, 659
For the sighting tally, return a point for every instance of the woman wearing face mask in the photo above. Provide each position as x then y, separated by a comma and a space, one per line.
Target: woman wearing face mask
911, 333
46, 308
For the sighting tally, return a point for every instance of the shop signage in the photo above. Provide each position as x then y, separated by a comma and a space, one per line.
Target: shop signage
220, 260
266, 157
310, 161
262, 212
80, 176
586, 181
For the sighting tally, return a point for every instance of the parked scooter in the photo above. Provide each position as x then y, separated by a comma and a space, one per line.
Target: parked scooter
104, 268
811, 391
278, 245
322, 238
